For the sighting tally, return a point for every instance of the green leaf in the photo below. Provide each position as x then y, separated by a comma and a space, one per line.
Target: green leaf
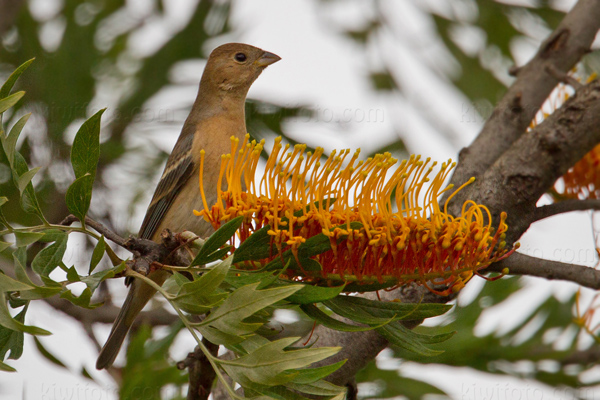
216, 240
10, 82
83, 300
7, 284
93, 281
310, 375
198, 296
241, 304
6, 368
319, 388
38, 292
313, 312
29, 201
3, 200
314, 294
361, 310
26, 238
4, 245
9, 322
10, 143
85, 152
47, 355
409, 340
97, 254
11, 340
26, 178
272, 365
256, 247
49, 258
79, 196
10, 101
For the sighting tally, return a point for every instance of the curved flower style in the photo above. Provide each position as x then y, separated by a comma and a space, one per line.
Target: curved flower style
582, 181
367, 214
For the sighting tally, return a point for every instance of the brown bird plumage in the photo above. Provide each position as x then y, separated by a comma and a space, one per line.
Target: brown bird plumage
217, 114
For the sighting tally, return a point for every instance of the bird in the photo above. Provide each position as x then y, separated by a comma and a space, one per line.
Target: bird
217, 114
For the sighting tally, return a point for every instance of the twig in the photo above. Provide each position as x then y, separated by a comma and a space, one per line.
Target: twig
521, 264
99, 227
563, 77
565, 206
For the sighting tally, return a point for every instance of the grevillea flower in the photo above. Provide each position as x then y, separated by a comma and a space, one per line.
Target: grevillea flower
582, 181
381, 222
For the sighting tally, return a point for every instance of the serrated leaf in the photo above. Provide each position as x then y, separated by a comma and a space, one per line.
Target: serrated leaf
47, 355
10, 82
199, 296
407, 339
313, 312
310, 375
319, 388
26, 178
10, 101
216, 240
26, 238
9, 143
97, 254
315, 294
50, 257
272, 365
9, 322
85, 152
368, 311
241, 304
7, 284
79, 196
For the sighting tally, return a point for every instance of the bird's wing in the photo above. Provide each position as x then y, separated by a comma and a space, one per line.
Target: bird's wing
174, 177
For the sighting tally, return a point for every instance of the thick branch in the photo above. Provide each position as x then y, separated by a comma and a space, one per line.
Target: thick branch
513, 114
516, 181
520, 264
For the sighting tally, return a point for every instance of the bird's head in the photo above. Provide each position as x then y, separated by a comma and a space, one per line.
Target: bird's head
233, 67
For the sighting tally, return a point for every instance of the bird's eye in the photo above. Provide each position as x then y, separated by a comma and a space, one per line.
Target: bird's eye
241, 57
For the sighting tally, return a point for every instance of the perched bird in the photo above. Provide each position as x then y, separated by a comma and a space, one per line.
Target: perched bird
217, 114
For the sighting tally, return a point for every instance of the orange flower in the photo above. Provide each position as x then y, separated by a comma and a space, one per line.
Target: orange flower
366, 212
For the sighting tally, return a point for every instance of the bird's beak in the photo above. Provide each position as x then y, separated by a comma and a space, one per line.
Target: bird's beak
267, 59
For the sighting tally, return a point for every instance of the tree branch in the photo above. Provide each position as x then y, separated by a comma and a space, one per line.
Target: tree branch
564, 207
516, 181
200, 371
521, 264
513, 114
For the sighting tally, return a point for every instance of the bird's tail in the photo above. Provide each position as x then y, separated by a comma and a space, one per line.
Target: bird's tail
139, 294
